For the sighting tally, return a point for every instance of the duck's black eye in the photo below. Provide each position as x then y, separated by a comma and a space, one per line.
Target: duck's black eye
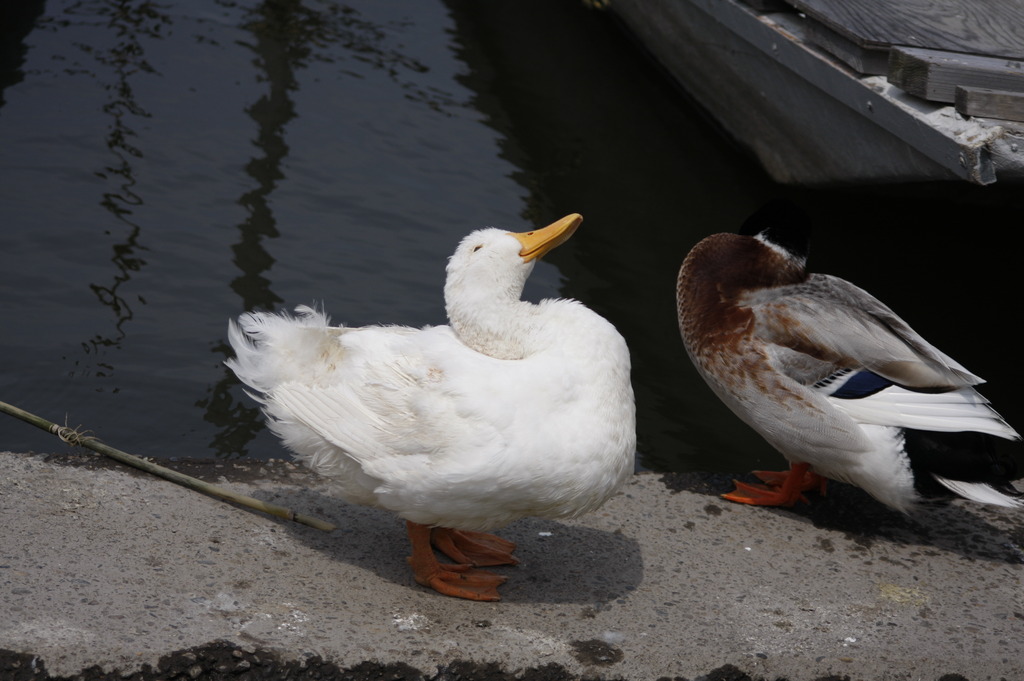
477, 247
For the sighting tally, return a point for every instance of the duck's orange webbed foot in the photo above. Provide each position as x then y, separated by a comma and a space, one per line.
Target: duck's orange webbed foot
473, 548
781, 488
459, 581
805, 479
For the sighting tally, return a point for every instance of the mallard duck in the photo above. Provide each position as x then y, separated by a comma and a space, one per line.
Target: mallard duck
831, 377
513, 409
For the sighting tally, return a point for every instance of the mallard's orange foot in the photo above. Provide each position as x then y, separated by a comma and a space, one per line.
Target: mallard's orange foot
762, 495
781, 489
809, 481
461, 581
473, 548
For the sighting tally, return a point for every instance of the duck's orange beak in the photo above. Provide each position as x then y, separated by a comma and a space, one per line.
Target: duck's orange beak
537, 243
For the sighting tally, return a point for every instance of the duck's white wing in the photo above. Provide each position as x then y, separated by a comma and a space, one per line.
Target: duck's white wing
391, 399
828, 321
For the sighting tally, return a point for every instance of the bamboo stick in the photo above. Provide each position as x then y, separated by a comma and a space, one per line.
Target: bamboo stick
73, 437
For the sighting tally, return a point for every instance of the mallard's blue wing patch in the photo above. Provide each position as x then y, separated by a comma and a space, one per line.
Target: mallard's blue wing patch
854, 385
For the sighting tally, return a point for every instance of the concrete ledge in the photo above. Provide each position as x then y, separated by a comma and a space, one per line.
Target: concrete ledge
108, 572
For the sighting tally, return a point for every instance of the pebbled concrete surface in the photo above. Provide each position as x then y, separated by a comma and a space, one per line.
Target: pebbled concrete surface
106, 572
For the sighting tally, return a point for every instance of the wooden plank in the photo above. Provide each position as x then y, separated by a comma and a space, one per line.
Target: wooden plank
986, 27
869, 61
971, 101
935, 75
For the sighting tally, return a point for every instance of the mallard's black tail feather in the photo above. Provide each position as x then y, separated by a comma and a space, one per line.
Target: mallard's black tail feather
965, 464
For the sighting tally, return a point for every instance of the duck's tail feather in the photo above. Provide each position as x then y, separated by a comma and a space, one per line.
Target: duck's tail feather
271, 349
964, 464
983, 492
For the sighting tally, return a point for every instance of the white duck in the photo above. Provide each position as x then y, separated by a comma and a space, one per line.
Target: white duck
515, 409
831, 377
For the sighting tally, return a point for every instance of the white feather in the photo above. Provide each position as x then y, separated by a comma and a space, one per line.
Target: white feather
980, 492
952, 411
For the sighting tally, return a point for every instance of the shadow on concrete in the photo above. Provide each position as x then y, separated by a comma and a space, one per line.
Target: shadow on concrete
976, 532
559, 563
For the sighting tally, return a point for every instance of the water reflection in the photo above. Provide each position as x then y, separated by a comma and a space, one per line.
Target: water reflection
121, 57
283, 34
16, 21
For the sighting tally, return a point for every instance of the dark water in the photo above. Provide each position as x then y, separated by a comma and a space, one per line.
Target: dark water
165, 166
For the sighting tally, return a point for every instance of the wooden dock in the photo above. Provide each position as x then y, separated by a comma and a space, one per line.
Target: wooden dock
850, 92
